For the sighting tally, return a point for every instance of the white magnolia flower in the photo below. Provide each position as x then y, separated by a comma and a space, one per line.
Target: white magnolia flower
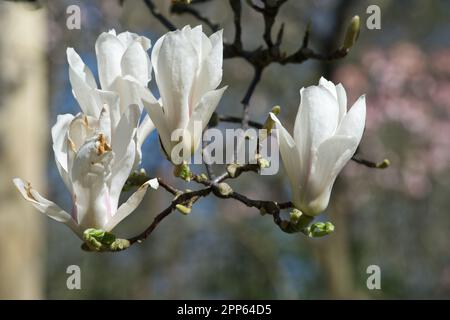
124, 69
325, 138
94, 159
188, 69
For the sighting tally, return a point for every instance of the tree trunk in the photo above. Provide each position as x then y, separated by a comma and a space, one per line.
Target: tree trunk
23, 147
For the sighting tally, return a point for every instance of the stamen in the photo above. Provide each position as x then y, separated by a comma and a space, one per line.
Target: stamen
103, 145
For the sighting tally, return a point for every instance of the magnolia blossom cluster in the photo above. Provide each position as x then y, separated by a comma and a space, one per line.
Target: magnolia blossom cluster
97, 149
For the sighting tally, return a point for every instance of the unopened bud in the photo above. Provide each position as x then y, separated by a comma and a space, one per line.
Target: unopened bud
119, 245
269, 124
183, 209
320, 229
352, 33
224, 189
232, 170
384, 164
182, 171
263, 163
96, 239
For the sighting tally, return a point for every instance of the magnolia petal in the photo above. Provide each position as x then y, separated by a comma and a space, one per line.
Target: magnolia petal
290, 156
316, 121
45, 206
155, 53
129, 90
81, 128
131, 204
104, 123
124, 147
210, 74
329, 85
59, 133
332, 156
144, 129
125, 131
135, 63
156, 113
128, 38
342, 101
176, 67
121, 171
354, 121
109, 50
202, 114
77, 65
112, 100
91, 176
83, 84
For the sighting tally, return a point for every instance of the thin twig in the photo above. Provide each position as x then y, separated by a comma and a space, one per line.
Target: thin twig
248, 95
154, 11
178, 200
180, 8
233, 119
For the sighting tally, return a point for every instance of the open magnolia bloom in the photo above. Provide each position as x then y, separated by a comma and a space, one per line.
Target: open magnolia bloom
188, 69
94, 159
124, 69
325, 138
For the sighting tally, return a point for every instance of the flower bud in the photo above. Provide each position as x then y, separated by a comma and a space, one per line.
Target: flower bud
224, 189
320, 229
183, 209
182, 171
384, 164
352, 33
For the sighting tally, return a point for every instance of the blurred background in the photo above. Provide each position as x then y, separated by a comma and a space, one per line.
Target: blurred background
396, 218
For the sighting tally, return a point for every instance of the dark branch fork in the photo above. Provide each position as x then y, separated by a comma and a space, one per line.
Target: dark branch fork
259, 59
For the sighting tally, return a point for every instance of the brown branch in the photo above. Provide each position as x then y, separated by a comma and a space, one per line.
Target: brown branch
182, 198
248, 95
154, 11
180, 8
237, 10
232, 119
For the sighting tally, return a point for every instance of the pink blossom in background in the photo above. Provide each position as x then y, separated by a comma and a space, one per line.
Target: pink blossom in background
408, 113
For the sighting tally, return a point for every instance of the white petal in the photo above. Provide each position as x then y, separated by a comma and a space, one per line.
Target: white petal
45, 206
135, 63
176, 67
291, 158
109, 50
81, 128
111, 99
59, 135
144, 129
128, 38
83, 85
342, 101
129, 90
332, 156
210, 74
124, 147
121, 171
202, 114
354, 121
316, 121
329, 86
131, 204
156, 114
77, 65
91, 176
104, 122
125, 131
